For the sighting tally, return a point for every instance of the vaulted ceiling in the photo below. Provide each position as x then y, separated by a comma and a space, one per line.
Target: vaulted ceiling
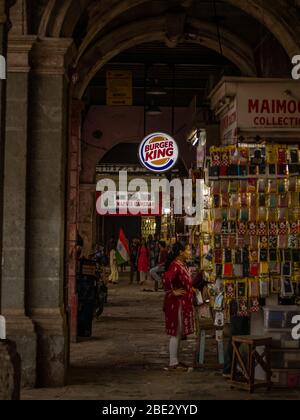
239, 31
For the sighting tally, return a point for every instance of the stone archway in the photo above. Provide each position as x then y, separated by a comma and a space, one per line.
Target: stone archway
237, 51
60, 18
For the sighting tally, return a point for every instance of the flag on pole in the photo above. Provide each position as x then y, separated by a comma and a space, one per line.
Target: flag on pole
122, 254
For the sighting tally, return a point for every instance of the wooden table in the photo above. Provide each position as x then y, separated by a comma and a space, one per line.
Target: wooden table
246, 378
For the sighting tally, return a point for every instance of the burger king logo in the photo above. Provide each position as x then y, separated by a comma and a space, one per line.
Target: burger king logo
158, 152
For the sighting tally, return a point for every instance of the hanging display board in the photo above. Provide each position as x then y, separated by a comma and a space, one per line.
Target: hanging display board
266, 107
119, 87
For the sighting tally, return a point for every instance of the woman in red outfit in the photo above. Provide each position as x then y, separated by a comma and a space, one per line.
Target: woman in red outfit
143, 261
178, 305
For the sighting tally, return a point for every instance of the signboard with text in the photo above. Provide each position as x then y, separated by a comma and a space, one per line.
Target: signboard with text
119, 88
262, 106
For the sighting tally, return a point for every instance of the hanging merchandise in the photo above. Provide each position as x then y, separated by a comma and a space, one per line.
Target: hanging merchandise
256, 219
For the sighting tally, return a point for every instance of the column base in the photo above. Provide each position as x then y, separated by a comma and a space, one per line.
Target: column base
10, 372
20, 329
52, 347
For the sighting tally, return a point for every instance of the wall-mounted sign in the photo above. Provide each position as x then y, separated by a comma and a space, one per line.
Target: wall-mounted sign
119, 87
129, 204
265, 107
158, 152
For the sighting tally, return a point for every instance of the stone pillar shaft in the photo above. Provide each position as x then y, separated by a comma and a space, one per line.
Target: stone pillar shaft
47, 207
14, 286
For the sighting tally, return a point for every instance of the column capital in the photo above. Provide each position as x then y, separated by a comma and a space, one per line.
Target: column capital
18, 53
52, 56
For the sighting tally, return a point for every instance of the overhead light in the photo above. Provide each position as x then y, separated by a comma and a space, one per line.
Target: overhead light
199, 137
153, 110
156, 90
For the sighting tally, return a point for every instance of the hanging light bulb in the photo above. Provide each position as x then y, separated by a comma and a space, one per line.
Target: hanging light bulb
153, 109
156, 90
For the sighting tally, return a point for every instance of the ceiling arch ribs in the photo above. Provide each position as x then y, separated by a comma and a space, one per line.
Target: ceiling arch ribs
154, 29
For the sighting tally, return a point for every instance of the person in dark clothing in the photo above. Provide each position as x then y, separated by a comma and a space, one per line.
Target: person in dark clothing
134, 249
238, 326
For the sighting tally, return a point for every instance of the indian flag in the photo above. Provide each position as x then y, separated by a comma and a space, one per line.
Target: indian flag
122, 254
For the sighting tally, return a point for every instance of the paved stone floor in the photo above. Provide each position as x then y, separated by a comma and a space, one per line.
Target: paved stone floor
126, 356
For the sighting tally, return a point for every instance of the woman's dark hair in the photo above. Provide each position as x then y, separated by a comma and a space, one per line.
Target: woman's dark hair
176, 250
162, 244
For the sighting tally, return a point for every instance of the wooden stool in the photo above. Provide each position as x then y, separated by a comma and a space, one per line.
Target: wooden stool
248, 372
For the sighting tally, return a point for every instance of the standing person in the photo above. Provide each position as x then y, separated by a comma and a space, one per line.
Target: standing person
114, 272
151, 247
178, 305
143, 261
156, 272
134, 248
156, 249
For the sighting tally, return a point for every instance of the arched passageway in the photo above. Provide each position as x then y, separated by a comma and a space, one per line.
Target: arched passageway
56, 51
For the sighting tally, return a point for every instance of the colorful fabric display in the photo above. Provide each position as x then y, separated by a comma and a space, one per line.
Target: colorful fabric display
252, 228
243, 186
271, 154
273, 230
244, 214
264, 241
216, 187
273, 255
262, 214
218, 256
254, 242
252, 185
242, 228
273, 201
283, 228
283, 241
233, 214
282, 155
253, 288
262, 229
253, 256
254, 306
292, 241
276, 284
217, 227
243, 308
227, 270
273, 215
283, 200
264, 285
263, 255
229, 290
262, 186
272, 186
264, 268
274, 267
232, 241
253, 270
238, 270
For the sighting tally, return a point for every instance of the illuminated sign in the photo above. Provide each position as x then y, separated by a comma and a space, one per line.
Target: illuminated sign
158, 152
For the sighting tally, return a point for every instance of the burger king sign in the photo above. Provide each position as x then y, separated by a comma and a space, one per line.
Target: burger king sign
158, 152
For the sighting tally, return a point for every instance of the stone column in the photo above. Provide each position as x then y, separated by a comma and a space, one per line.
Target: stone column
14, 289
74, 162
3, 53
47, 207
10, 372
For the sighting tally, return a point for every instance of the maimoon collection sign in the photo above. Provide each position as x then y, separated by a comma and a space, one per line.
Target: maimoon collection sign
158, 152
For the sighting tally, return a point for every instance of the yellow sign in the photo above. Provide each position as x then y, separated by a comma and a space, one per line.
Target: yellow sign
119, 87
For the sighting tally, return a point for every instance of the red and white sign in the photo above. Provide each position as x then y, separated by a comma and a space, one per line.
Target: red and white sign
270, 106
263, 106
128, 204
158, 152
228, 124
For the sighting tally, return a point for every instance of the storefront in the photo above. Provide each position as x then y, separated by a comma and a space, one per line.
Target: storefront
250, 237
